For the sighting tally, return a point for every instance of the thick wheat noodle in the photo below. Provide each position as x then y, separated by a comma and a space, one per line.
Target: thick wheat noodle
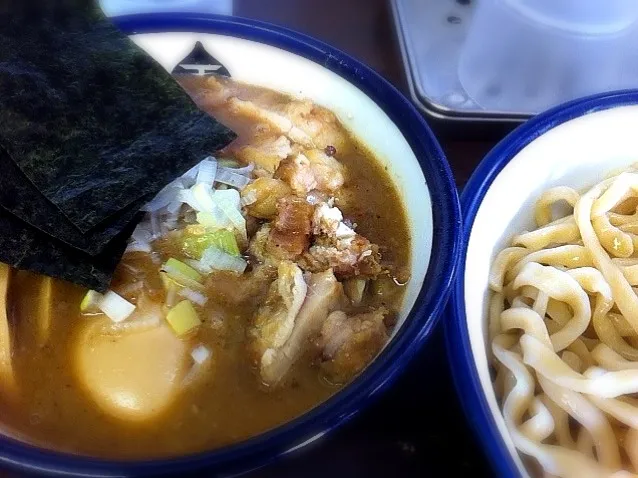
497, 305
570, 256
503, 261
620, 220
609, 335
563, 324
525, 292
563, 232
543, 209
540, 425
628, 226
614, 240
621, 324
609, 359
558, 311
546, 363
630, 443
561, 423
590, 418
556, 460
624, 296
629, 271
620, 410
585, 443
572, 360
526, 319
560, 286
579, 348
541, 302
592, 281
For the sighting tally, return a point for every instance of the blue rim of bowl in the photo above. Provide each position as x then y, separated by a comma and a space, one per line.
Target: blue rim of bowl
459, 350
418, 327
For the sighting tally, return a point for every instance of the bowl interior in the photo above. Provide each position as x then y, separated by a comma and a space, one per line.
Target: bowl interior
277, 69
577, 153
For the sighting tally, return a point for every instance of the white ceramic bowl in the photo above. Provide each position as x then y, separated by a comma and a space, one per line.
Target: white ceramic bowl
385, 121
577, 145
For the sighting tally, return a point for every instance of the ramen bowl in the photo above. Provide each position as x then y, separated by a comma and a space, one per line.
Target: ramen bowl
382, 119
576, 144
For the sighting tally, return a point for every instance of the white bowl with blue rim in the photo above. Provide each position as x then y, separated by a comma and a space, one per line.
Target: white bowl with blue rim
385, 121
576, 144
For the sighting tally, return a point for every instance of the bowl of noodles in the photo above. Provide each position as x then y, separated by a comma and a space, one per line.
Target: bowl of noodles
544, 335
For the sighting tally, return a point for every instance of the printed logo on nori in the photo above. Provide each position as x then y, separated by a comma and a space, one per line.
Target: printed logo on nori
200, 62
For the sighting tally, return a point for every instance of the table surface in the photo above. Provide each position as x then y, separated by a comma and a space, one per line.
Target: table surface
414, 427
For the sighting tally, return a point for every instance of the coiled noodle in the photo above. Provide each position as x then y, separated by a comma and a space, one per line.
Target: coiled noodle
563, 328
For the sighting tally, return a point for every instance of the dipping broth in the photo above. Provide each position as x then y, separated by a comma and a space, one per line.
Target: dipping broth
237, 326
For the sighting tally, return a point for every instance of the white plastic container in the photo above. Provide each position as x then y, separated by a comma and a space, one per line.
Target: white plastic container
528, 55
127, 7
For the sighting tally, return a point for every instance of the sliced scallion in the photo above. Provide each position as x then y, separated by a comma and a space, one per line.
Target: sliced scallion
116, 307
183, 318
90, 302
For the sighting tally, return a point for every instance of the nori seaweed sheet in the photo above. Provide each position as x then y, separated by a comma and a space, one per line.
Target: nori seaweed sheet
90, 118
21, 198
23, 247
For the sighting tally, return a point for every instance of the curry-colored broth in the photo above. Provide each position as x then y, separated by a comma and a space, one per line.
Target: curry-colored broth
230, 405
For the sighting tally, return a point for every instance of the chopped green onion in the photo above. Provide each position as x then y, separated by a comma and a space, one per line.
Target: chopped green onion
116, 307
183, 318
90, 302
216, 259
200, 354
194, 296
173, 268
177, 280
214, 220
354, 289
229, 201
227, 163
194, 245
203, 194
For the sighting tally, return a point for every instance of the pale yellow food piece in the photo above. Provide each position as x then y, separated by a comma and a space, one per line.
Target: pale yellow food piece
131, 376
8, 384
45, 299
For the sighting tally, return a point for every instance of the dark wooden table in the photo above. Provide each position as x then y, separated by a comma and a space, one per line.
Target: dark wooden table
418, 427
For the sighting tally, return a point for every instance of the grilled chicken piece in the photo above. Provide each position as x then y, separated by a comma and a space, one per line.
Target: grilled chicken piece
262, 195
324, 294
275, 319
287, 237
290, 233
358, 257
297, 173
265, 154
258, 247
328, 172
213, 94
314, 170
350, 343
275, 120
339, 247
317, 122
230, 288
301, 121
